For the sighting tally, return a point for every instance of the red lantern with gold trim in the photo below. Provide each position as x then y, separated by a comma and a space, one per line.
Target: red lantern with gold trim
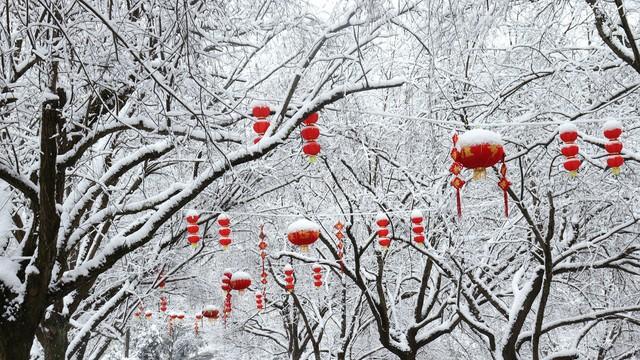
303, 233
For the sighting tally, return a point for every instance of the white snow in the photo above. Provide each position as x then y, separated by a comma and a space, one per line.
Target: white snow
191, 212
303, 225
479, 136
240, 275
287, 267
316, 267
381, 216
416, 214
211, 308
567, 127
612, 124
8, 275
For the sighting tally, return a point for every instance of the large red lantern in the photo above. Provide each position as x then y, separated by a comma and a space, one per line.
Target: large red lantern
479, 149
612, 130
240, 281
568, 133
193, 230
261, 112
303, 233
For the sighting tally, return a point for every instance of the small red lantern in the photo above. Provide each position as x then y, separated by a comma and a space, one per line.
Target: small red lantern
612, 130
311, 149
311, 119
383, 221
137, 314
568, 133
180, 316
289, 278
225, 231
417, 228
261, 111
259, 303
303, 233
210, 312
317, 275
193, 229
240, 281
148, 314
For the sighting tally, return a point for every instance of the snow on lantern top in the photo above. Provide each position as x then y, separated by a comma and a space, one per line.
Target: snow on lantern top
211, 308
416, 216
382, 219
612, 129
303, 225
223, 220
288, 269
240, 280
478, 137
316, 267
240, 275
191, 216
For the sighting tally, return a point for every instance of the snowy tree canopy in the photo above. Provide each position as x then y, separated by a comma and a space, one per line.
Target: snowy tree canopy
153, 159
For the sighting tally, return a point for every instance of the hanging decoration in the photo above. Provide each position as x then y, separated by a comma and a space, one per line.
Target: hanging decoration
240, 281
225, 231
310, 133
303, 233
148, 314
568, 133
417, 226
612, 130
196, 326
261, 112
193, 230
226, 288
180, 316
289, 278
478, 149
382, 221
340, 244
317, 275
163, 304
262, 245
259, 303
211, 312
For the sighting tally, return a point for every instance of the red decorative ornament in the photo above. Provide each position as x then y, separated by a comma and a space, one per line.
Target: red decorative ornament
260, 127
456, 169
180, 316
340, 244
317, 275
148, 314
137, 314
417, 228
568, 133
163, 304
289, 278
240, 281
193, 230
262, 245
303, 233
612, 130
310, 133
383, 221
224, 231
259, 303
211, 312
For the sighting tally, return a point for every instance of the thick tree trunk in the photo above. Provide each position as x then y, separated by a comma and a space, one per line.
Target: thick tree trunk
53, 336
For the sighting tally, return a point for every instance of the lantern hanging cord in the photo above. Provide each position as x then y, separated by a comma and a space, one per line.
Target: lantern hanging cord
473, 125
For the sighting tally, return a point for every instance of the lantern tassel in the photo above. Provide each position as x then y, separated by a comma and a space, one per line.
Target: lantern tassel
506, 203
459, 203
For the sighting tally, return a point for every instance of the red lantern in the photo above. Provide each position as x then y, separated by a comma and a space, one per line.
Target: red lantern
261, 111
382, 232
289, 279
568, 133
211, 312
193, 229
225, 231
240, 281
383, 221
137, 314
310, 132
303, 233
317, 275
180, 316
416, 217
417, 228
173, 316
311, 149
384, 243
479, 149
612, 130
311, 119
419, 239
148, 314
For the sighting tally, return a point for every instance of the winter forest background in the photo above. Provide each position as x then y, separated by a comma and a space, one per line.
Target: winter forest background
118, 118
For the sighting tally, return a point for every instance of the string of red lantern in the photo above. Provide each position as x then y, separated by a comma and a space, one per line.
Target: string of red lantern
382, 221
224, 231
303, 233
163, 303
261, 112
340, 244
259, 303
226, 288
456, 169
289, 278
262, 245
310, 133
568, 133
196, 328
317, 275
417, 227
193, 230
612, 130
